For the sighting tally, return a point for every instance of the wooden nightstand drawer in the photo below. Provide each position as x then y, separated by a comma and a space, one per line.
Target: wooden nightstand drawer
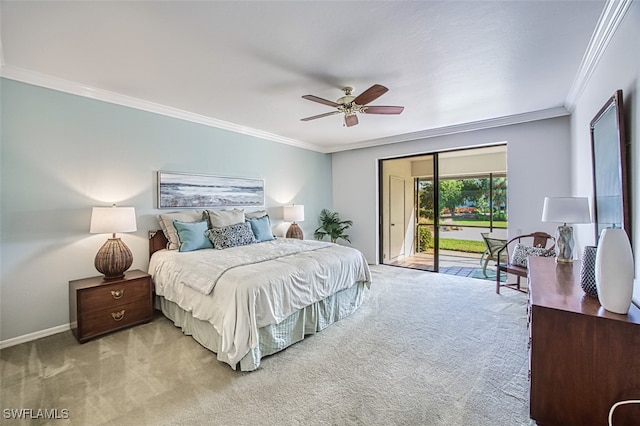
109, 295
99, 322
98, 307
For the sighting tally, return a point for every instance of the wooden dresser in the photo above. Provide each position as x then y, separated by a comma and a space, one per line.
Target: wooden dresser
97, 307
582, 358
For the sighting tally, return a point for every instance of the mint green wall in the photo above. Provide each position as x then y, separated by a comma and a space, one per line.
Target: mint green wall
62, 154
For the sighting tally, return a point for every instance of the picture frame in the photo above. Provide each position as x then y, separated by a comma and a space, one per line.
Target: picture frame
189, 190
609, 158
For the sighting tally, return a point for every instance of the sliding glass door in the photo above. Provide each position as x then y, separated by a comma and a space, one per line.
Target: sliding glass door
435, 207
408, 231
426, 239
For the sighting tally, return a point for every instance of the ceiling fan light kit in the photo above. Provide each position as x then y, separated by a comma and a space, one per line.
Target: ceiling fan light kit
349, 105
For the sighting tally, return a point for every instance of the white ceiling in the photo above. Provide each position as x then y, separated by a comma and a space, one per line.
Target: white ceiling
245, 65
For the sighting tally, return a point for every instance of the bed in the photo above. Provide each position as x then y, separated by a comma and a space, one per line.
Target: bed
249, 301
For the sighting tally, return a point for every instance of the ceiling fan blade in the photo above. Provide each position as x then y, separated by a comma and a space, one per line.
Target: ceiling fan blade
326, 114
383, 110
350, 120
371, 94
320, 100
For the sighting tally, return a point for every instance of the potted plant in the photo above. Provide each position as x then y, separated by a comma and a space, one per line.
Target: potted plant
332, 226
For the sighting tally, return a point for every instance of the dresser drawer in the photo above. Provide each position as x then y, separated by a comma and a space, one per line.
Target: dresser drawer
93, 323
111, 295
97, 306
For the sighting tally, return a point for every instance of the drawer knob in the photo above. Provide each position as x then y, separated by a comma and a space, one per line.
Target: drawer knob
117, 316
117, 294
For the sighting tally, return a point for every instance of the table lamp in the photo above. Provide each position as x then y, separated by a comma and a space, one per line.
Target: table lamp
565, 210
114, 257
294, 213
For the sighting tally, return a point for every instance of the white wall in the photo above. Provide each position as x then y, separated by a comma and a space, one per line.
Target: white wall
399, 169
619, 68
538, 165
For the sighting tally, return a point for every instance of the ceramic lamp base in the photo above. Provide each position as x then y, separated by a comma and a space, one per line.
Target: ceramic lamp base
295, 231
113, 259
564, 244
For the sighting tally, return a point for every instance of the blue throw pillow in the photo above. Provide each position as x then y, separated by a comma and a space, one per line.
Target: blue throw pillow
192, 235
261, 227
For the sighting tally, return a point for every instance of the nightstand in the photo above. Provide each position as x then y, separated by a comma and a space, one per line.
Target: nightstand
97, 307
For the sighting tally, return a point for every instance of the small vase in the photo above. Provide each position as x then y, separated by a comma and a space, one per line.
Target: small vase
614, 270
588, 271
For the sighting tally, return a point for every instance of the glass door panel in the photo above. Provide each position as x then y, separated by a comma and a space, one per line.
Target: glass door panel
407, 228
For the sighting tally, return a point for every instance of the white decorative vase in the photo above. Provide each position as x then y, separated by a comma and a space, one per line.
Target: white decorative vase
614, 271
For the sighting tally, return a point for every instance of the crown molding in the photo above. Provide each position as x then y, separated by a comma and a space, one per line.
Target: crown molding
66, 86
458, 128
61, 85
610, 19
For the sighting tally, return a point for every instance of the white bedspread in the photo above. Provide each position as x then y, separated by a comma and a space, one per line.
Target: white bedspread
224, 288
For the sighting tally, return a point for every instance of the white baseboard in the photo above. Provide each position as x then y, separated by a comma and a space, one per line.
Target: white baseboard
33, 336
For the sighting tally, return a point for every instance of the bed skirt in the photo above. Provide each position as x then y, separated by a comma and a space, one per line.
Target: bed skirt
272, 338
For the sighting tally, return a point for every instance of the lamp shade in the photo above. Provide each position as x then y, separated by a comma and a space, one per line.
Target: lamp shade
566, 210
293, 213
109, 220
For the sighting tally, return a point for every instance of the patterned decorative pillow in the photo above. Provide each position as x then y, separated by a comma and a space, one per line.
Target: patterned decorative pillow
521, 252
231, 236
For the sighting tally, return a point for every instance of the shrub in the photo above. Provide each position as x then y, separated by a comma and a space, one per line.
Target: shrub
425, 238
500, 216
426, 213
466, 210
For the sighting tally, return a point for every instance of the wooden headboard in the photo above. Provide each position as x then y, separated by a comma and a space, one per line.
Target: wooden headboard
157, 241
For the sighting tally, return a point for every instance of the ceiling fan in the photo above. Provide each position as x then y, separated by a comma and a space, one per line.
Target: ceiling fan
349, 105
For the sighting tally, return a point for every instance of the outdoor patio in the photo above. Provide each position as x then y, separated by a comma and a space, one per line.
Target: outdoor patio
452, 263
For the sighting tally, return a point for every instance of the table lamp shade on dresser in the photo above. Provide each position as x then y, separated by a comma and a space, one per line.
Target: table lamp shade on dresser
114, 257
567, 211
293, 213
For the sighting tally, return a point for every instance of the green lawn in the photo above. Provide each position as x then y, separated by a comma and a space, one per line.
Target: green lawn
475, 223
462, 245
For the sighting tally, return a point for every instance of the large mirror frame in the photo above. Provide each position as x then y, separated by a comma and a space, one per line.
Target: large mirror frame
609, 157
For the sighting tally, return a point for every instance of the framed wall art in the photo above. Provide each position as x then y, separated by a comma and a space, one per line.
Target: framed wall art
184, 190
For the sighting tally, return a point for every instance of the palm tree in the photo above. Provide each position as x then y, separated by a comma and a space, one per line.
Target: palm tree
332, 226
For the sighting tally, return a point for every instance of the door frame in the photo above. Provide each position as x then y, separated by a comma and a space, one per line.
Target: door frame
404, 218
382, 207
437, 178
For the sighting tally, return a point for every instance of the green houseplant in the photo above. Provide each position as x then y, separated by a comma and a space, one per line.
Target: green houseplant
332, 226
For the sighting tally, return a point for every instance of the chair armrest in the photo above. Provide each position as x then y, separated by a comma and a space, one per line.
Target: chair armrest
506, 247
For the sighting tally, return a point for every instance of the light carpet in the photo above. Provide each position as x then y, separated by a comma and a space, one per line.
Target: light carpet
424, 349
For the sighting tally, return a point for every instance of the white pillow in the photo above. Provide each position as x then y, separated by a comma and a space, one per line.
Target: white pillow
222, 218
166, 223
255, 215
